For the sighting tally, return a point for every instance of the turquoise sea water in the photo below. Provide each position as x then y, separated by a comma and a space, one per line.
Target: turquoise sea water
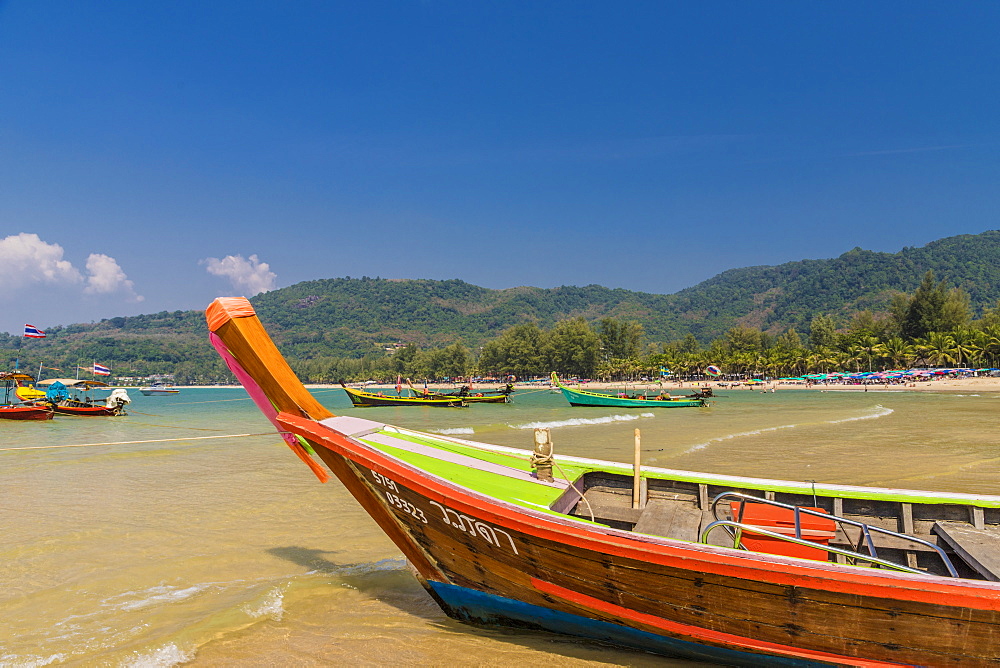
192, 549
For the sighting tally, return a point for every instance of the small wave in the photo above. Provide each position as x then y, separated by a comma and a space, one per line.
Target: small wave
876, 412
719, 439
454, 431
29, 661
161, 657
269, 606
577, 422
152, 596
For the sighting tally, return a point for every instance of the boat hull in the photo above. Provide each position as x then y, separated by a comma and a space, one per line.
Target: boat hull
369, 400
88, 411
598, 400
484, 609
473, 399
672, 597
25, 413
577, 398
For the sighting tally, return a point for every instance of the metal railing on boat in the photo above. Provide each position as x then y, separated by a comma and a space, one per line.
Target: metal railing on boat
735, 527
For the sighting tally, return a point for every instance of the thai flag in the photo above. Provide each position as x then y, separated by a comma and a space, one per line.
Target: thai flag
101, 370
33, 332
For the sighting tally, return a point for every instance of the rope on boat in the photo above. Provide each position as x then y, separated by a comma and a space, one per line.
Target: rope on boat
154, 440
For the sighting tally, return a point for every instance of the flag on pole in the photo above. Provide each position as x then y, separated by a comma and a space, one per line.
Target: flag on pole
32, 332
101, 370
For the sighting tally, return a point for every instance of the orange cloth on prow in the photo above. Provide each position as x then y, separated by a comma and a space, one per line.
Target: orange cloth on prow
224, 309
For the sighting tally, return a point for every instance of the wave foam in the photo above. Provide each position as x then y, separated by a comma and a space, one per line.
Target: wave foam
161, 657
754, 432
269, 606
29, 661
152, 596
578, 422
876, 412
454, 431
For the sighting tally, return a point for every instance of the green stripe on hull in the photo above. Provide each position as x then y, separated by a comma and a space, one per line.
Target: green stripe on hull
584, 398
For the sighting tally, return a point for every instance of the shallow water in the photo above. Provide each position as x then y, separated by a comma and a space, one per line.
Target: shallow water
200, 550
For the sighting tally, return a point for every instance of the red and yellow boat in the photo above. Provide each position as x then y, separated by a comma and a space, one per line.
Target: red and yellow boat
25, 412
12, 380
654, 558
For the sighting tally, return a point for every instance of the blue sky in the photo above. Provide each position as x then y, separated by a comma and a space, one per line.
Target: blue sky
156, 155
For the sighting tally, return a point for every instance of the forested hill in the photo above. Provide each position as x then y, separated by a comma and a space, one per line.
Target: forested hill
352, 311
351, 317
789, 295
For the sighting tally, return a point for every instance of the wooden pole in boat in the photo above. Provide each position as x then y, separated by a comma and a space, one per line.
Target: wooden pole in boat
541, 458
637, 473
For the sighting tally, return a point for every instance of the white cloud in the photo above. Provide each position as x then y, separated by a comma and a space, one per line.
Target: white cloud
107, 277
250, 275
25, 260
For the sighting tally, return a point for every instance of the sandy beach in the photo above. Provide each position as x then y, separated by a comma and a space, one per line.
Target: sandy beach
983, 384
986, 384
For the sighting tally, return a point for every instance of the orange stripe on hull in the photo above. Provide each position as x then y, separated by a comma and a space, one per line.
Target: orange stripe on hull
694, 633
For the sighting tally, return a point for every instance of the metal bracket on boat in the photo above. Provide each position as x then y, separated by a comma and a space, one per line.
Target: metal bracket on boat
736, 527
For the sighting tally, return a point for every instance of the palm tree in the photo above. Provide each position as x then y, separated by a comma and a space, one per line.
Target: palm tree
852, 355
869, 346
967, 344
938, 348
824, 358
991, 342
898, 352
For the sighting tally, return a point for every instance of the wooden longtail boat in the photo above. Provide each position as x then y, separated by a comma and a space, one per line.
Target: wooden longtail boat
369, 399
78, 402
11, 380
585, 398
483, 398
495, 543
24, 412
497, 397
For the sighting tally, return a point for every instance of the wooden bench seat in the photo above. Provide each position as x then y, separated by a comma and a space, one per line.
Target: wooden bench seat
979, 548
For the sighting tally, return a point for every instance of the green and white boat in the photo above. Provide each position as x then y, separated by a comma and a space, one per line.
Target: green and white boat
585, 398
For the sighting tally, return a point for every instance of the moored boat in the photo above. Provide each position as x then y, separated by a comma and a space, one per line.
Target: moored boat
70, 396
724, 568
466, 394
25, 412
11, 380
362, 399
597, 399
157, 389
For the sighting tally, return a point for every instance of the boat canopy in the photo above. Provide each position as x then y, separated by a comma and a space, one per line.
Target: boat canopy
72, 382
15, 375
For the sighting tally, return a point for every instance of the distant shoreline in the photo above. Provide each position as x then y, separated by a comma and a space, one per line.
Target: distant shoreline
944, 385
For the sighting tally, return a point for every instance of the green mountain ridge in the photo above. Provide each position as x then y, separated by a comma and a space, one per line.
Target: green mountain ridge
351, 317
